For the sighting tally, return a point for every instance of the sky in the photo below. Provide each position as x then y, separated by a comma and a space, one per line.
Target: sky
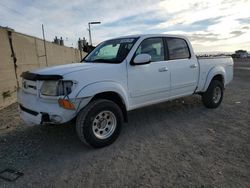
211, 25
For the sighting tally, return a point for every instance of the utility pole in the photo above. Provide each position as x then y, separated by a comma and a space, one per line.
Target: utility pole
90, 39
44, 44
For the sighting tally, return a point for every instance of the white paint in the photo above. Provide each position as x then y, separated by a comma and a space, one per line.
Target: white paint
138, 86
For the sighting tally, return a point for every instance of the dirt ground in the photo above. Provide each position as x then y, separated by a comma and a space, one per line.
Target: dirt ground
174, 144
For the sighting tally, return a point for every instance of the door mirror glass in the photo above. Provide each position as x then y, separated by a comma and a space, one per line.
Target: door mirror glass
142, 59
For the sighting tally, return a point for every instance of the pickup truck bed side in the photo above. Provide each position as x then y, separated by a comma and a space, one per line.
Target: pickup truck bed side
214, 66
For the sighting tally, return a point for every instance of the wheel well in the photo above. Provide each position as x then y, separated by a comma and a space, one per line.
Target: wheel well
113, 96
219, 77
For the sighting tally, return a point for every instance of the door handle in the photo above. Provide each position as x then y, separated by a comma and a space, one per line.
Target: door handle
163, 69
193, 66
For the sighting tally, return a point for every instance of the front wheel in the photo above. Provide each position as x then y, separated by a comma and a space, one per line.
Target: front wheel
99, 123
214, 94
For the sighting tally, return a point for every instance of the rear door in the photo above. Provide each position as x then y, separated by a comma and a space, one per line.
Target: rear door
183, 67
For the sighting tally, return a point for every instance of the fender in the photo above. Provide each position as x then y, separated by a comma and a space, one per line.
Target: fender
217, 70
90, 90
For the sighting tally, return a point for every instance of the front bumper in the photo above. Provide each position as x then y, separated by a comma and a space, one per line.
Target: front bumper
28, 118
36, 111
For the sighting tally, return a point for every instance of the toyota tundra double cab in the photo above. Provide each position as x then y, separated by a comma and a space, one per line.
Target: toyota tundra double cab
120, 75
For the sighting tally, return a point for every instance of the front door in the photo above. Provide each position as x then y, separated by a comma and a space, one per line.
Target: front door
150, 82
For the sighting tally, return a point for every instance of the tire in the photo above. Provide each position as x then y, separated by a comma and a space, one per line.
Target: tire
214, 94
99, 123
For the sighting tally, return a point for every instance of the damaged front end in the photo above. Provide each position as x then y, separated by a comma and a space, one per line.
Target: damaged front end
45, 99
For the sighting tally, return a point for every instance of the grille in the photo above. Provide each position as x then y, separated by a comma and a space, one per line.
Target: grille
29, 86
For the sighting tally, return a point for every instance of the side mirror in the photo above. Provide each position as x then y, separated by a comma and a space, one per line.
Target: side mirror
142, 59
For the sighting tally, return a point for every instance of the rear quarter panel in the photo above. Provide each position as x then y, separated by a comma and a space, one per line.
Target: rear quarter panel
210, 67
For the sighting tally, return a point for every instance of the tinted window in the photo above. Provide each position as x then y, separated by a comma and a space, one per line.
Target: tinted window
153, 47
177, 48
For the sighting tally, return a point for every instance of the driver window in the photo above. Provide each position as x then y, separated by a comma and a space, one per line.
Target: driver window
153, 47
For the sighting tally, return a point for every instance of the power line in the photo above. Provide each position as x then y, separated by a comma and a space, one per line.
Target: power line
49, 31
13, 10
30, 24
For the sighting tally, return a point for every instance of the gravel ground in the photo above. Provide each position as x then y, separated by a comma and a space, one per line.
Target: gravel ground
174, 144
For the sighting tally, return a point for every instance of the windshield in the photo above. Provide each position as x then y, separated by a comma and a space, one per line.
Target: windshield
111, 51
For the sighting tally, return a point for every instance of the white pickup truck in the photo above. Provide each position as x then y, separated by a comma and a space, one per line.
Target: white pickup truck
120, 75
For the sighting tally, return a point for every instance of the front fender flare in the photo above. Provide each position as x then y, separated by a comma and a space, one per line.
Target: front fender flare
90, 90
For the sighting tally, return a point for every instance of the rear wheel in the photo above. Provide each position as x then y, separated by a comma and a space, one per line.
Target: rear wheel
214, 94
99, 123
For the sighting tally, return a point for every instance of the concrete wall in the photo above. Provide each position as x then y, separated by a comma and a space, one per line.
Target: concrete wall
29, 52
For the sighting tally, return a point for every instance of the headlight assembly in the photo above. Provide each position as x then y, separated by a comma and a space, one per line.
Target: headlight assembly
64, 87
56, 88
49, 88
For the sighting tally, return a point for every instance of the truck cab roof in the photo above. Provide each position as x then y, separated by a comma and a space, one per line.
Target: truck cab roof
151, 35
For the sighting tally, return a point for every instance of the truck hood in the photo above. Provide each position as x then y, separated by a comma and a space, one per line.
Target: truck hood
66, 69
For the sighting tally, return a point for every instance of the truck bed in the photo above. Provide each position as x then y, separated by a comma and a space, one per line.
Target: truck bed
223, 64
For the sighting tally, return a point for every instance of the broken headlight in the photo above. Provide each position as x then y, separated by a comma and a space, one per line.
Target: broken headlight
56, 88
